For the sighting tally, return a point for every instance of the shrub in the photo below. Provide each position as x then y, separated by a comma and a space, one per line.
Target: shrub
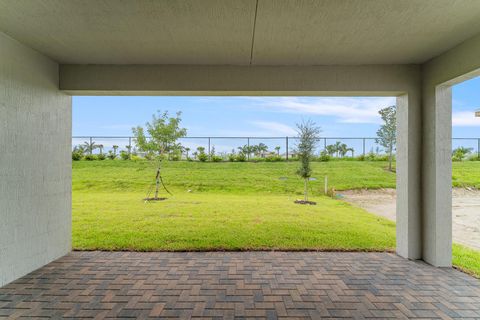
324, 156
474, 158
370, 156
202, 157
381, 157
361, 157
101, 156
135, 158
241, 157
216, 158
111, 155
176, 157
124, 155
232, 157
76, 156
460, 153
90, 157
273, 158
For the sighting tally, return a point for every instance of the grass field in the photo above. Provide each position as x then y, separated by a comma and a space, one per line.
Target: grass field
235, 206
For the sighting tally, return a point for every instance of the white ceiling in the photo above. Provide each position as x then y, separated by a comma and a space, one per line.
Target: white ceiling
240, 32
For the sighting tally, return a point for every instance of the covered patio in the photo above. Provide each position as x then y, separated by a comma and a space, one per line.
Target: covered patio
241, 285
53, 49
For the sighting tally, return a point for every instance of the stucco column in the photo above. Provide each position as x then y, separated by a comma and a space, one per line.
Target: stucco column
408, 168
35, 162
437, 176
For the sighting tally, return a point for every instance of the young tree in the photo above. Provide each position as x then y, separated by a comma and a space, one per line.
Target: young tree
387, 134
115, 148
164, 131
308, 137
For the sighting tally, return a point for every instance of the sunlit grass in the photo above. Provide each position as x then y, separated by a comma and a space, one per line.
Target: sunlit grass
236, 206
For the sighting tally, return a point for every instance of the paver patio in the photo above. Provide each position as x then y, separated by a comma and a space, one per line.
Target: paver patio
240, 285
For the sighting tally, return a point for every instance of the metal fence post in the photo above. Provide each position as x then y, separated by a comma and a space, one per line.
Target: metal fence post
286, 146
363, 146
248, 149
91, 146
325, 144
209, 157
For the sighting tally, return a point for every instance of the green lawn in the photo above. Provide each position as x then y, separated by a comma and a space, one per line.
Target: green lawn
235, 206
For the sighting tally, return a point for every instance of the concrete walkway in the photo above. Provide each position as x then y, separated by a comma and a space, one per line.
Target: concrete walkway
465, 210
240, 285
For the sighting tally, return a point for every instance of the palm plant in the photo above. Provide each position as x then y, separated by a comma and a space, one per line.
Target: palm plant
262, 149
337, 146
115, 148
89, 146
277, 148
100, 146
331, 150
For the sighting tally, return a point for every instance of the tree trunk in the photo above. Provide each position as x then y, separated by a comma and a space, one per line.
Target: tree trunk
390, 158
305, 192
157, 183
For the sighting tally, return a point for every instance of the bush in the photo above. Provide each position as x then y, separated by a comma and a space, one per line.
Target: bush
176, 157
324, 157
474, 158
273, 158
111, 155
76, 156
90, 157
232, 157
216, 158
136, 158
101, 157
241, 157
460, 153
124, 155
381, 157
203, 157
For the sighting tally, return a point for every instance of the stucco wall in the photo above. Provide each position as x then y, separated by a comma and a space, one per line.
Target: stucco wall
454, 66
35, 162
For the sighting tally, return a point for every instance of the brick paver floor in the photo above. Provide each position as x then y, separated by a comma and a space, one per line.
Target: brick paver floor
240, 285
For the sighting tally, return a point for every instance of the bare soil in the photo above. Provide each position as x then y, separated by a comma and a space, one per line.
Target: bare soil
465, 207
154, 199
312, 203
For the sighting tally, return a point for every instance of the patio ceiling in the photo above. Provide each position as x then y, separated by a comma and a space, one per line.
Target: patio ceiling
240, 32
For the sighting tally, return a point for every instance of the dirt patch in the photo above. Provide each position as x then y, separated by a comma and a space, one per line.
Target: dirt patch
155, 199
465, 207
312, 203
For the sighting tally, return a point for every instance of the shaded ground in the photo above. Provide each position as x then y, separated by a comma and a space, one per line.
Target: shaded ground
466, 210
240, 285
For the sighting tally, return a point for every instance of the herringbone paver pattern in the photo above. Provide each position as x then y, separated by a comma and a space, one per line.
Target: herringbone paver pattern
240, 285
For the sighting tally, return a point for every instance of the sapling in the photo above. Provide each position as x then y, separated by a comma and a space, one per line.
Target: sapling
387, 134
164, 131
308, 134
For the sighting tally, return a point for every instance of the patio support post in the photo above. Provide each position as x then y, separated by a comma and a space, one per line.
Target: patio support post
437, 175
408, 169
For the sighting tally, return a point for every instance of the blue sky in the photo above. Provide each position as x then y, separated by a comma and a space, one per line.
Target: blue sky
259, 116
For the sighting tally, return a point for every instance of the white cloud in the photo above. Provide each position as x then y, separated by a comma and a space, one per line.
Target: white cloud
465, 119
345, 109
275, 128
